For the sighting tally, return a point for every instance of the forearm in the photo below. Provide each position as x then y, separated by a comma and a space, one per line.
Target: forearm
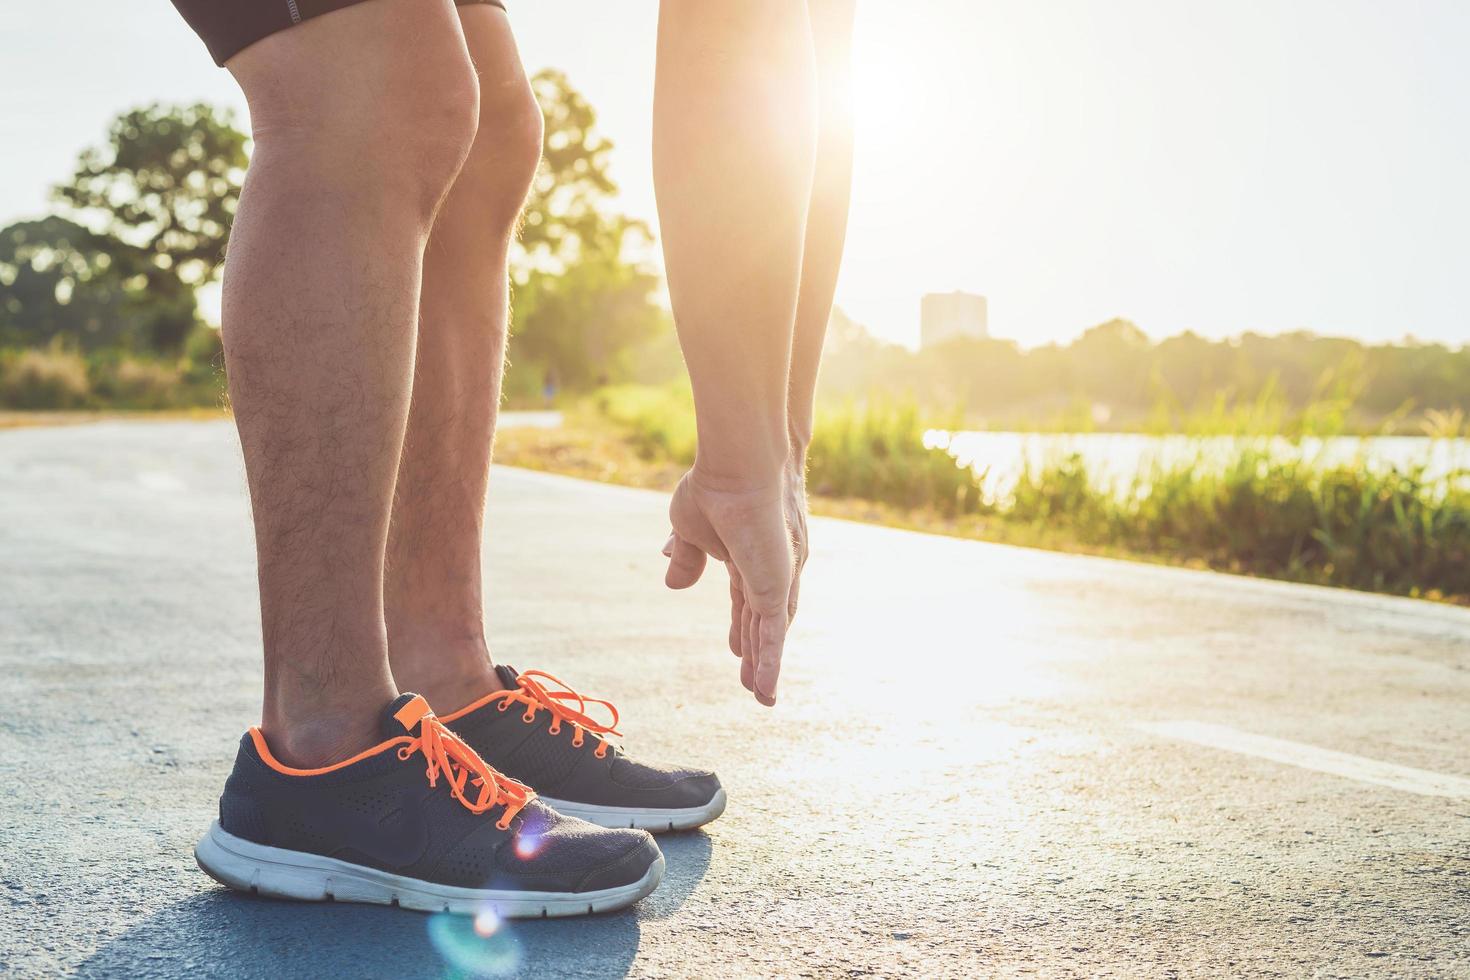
826, 231
827, 215
734, 124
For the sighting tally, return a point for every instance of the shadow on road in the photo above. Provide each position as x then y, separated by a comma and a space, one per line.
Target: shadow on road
222, 933
686, 858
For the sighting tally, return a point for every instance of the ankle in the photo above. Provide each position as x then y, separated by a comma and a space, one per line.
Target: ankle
312, 720
447, 692
449, 672
321, 738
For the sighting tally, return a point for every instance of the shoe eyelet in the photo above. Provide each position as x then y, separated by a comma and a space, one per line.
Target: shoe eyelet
529, 717
404, 753
503, 707
554, 729
501, 826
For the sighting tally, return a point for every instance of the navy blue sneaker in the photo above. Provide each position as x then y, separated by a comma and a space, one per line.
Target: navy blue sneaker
419, 821
545, 738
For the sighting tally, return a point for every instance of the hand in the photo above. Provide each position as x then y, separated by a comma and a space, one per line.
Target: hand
795, 503
747, 529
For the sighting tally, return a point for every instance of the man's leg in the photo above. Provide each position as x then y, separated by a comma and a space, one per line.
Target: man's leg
361, 118
433, 596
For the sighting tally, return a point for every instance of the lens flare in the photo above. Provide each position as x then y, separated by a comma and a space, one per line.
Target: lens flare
480, 945
527, 845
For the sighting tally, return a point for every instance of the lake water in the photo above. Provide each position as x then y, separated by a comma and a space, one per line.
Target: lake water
1118, 457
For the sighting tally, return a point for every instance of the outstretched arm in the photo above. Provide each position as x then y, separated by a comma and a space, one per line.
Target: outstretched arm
826, 231
735, 112
826, 225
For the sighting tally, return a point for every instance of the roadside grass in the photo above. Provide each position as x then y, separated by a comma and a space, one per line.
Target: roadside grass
41, 419
658, 421
1259, 510
880, 453
58, 378
1356, 525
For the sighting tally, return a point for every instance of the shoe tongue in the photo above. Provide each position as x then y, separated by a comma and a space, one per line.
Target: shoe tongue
403, 714
508, 676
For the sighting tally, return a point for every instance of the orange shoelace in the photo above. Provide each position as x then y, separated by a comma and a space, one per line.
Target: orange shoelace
461, 765
535, 696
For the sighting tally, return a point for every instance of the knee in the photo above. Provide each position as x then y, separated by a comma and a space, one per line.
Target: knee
396, 129
502, 162
428, 134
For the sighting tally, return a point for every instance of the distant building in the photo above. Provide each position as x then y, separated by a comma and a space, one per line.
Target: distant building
945, 316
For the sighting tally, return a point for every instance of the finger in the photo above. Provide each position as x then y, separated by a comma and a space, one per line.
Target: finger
686, 564
668, 549
747, 672
747, 648
771, 640
737, 610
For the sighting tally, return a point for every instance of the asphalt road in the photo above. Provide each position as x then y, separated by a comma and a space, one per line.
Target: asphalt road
986, 760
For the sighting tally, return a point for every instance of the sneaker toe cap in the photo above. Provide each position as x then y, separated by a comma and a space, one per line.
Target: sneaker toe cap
550, 850
696, 789
638, 854
663, 786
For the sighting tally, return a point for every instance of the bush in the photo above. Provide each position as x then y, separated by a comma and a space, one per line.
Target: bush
139, 383
58, 377
1378, 528
53, 377
204, 353
658, 421
879, 452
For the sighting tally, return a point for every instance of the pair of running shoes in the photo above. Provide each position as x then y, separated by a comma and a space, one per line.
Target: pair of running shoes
442, 816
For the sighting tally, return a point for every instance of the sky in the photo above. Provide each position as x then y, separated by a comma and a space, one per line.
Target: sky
1265, 165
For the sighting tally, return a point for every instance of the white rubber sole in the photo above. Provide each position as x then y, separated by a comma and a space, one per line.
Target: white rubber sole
250, 867
653, 821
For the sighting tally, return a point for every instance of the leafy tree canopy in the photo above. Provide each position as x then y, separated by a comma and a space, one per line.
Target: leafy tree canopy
584, 301
568, 211
145, 220
166, 182
1115, 375
61, 281
586, 323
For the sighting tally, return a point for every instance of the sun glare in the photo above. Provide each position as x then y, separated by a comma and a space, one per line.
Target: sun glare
893, 106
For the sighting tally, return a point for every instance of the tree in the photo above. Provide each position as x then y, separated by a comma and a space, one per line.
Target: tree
584, 293
586, 322
65, 282
163, 191
566, 211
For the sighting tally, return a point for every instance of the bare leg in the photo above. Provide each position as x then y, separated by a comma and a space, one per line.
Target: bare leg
734, 135
362, 118
433, 594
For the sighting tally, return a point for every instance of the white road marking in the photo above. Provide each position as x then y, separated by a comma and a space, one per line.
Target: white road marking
1358, 767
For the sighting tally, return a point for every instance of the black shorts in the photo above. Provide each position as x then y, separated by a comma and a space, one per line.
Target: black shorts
228, 27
